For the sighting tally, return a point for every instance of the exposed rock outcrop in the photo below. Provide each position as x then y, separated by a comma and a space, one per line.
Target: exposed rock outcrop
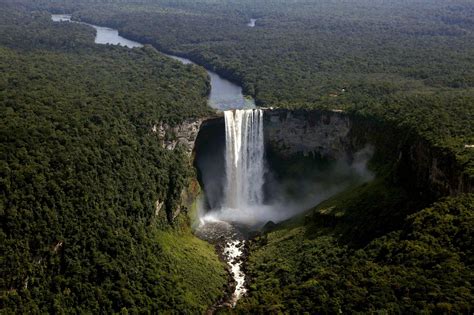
158, 205
183, 134
308, 132
427, 170
432, 169
171, 137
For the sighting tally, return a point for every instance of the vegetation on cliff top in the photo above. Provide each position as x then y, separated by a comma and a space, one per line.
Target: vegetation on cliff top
81, 171
408, 63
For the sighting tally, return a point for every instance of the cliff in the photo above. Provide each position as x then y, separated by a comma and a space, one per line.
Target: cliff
183, 134
429, 171
308, 132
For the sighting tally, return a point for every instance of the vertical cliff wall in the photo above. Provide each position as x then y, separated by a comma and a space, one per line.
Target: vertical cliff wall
428, 171
326, 134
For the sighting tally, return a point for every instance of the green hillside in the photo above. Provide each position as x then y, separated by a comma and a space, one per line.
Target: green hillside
309, 265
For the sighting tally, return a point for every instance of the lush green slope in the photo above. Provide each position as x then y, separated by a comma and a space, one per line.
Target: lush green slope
425, 266
81, 172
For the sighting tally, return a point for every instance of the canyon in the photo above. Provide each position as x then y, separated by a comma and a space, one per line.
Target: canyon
240, 162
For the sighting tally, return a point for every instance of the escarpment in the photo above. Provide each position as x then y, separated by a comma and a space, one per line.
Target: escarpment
183, 134
428, 171
432, 172
424, 170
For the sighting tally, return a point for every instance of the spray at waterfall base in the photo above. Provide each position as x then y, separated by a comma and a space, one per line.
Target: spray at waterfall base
245, 186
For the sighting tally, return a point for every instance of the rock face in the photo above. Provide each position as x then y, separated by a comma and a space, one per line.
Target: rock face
432, 169
158, 205
183, 135
424, 170
336, 135
171, 137
308, 133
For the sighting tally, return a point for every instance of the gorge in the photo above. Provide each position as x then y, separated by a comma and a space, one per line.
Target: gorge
243, 155
249, 193
236, 157
257, 161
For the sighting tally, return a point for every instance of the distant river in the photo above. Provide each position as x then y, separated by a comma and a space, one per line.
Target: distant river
224, 94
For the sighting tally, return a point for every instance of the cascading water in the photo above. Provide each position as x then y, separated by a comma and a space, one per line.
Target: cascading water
244, 158
235, 181
244, 175
243, 191
245, 151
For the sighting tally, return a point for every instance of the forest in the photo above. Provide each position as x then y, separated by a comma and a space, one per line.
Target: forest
76, 122
81, 172
413, 69
426, 266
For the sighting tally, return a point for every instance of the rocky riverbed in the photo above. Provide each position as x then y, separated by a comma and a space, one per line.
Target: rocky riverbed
231, 246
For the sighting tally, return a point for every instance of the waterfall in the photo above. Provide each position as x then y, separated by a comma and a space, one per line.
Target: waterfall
244, 158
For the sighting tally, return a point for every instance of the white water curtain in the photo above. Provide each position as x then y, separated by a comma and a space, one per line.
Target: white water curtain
244, 158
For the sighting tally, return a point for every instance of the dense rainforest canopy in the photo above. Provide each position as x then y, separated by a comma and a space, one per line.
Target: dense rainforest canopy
407, 62
322, 262
81, 170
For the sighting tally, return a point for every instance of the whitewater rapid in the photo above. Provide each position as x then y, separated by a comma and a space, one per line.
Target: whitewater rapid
230, 244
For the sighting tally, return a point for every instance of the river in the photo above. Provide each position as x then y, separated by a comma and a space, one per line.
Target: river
224, 95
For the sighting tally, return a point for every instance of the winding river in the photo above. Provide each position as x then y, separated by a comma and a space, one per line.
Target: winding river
224, 95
